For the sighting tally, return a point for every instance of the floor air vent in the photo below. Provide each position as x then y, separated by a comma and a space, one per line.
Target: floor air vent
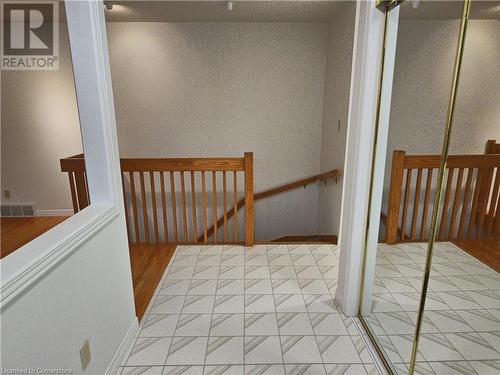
19, 209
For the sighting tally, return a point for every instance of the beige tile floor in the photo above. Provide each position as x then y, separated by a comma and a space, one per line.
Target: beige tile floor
461, 330
268, 310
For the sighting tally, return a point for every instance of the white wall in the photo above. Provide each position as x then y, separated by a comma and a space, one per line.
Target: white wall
46, 326
478, 101
219, 89
73, 282
211, 89
333, 137
424, 62
201, 87
39, 125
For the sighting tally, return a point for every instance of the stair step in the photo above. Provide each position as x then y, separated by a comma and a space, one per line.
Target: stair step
308, 238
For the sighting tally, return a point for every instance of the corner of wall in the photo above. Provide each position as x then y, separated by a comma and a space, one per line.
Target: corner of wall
335, 111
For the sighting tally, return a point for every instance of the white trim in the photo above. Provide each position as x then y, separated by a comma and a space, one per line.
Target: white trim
29, 265
87, 34
60, 212
89, 51
123, 349
365, 74
379, 163
33, 260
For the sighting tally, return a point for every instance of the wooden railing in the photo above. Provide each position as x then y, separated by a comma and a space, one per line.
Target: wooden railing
303, 182
157, 215
470, 206
492, 147
75, 167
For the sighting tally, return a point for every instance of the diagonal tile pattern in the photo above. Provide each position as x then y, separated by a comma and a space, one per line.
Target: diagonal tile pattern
268, 310
461, 327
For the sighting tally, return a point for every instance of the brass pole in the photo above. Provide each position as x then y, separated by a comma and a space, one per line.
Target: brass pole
442, 167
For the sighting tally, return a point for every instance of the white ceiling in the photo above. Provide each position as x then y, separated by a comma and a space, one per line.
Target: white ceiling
216, 11
281, 10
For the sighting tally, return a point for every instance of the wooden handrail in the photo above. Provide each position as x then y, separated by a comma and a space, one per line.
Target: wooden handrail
182, 164
293, 185
471, 202
273, 191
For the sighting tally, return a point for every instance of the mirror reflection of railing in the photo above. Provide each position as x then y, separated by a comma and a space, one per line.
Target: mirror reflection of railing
156, 196
470, 206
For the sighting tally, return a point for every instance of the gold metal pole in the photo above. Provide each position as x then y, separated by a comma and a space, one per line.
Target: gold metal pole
442, 167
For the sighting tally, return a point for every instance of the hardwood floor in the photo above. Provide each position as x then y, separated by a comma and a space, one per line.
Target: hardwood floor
487, 251
148, 265
18, 231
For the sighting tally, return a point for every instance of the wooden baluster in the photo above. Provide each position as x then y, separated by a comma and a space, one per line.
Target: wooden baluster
86, 187
224, 204
135, 214
184, 210
475, 201
249, 219
81, 190
235, 206
125, 205
153, 202
73, 192
428, 187
144, 207
446, 202
405, 204
485, 175
486, 182
458, 189
416, 204
174, 206
496, 224
465, 203
395, 190
193, 203
494, 203
214, 205
164, 206
204, 206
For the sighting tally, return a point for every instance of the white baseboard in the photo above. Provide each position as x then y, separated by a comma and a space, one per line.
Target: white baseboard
61, 212
124, 348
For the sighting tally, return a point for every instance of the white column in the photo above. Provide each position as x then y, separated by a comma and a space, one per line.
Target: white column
365, 75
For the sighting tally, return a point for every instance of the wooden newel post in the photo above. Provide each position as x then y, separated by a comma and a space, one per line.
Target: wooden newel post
249, 219
395, 191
